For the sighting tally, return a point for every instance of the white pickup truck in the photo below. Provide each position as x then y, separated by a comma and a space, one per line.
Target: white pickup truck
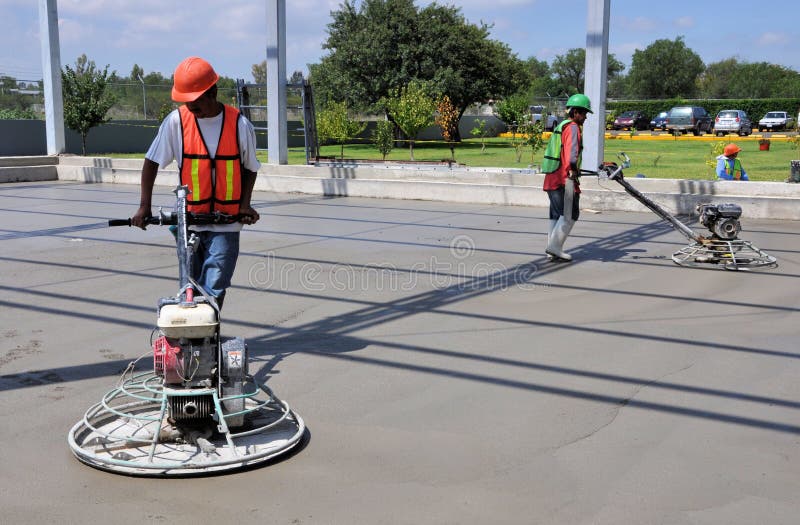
775, 121
536, 114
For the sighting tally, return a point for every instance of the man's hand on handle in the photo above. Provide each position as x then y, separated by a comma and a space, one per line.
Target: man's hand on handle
139, 219
248, 215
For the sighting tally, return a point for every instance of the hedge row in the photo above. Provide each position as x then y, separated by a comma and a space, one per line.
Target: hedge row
754, 107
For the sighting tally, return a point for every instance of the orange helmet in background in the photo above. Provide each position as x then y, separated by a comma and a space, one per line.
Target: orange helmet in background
730, 149
193, 77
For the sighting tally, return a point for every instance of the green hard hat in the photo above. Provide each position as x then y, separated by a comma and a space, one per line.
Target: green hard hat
579, 100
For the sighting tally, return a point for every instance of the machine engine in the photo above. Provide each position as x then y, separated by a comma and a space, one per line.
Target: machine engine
721, 219
187, 357
186, 353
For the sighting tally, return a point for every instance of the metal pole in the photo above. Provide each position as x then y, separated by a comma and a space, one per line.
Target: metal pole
596, 79
144, 96
51, 69
276, 82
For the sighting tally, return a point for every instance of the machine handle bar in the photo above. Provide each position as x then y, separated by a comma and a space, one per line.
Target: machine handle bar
169, 219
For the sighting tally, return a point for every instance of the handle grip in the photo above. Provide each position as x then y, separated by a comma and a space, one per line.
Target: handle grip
129, 222
191, 218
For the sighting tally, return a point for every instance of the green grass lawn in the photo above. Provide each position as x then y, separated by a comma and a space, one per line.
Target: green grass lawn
670, 159
682, 159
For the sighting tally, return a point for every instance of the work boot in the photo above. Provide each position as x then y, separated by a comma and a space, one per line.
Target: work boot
553, 223
557, 237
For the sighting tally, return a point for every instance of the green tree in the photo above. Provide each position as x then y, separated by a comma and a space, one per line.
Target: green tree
296, 78
463, 62
383, 137
379, 46
531, 133
715, 81
569, 70
14, 101
665, 69
334, 123
259, 72
763, 80
164, 109
17, 114
512, 110
411, 108
715, 149
86, 99
540, 81
136, 72
481, 131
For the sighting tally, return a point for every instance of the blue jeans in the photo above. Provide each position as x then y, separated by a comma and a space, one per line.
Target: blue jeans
557, 204
215, 260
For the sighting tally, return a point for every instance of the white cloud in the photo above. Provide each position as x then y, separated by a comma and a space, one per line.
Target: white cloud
92, 7
70, 30
495, 3
684, 22
771, 39
637, 24
549, 53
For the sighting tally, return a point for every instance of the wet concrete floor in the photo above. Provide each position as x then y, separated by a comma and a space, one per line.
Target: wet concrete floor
448, 373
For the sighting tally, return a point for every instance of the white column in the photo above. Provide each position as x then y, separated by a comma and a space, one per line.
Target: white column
51, 71
276, 82
596, 80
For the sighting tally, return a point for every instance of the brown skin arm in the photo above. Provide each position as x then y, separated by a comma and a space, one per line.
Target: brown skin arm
249, 215
149, 172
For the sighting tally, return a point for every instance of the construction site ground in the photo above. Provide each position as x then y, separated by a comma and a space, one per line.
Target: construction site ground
447, 372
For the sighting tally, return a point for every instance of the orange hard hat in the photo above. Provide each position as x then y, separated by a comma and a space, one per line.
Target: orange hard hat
193, 77
730, 149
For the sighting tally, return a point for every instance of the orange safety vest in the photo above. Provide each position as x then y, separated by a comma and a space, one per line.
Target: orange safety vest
214, 184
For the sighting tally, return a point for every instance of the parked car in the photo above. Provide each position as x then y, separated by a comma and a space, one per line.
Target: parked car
550, 122
631, 120
659, 122
775, 121
732, 121
683, 119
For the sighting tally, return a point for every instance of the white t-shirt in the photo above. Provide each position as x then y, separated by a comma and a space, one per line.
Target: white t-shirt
168, 147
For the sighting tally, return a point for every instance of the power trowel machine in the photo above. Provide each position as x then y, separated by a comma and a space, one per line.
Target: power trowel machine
722, 249
197, 411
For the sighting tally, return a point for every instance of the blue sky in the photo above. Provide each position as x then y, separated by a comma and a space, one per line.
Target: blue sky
157, 34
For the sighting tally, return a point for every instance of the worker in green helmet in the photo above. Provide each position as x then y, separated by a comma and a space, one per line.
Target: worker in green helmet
562, 160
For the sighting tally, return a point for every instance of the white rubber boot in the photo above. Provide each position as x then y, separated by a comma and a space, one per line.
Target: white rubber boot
557, 238
553, 223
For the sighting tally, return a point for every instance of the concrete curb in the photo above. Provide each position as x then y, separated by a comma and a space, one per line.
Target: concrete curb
28, 169
768, 200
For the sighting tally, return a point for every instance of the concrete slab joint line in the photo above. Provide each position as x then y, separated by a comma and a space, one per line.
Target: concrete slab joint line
760, 200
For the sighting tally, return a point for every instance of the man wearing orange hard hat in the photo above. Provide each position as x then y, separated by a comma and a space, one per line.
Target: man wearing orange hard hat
215, 149
729, 167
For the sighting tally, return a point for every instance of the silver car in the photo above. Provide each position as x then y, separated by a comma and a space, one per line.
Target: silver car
732, 121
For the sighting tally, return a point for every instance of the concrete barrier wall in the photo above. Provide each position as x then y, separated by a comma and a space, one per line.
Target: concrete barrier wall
775, 200
28, 137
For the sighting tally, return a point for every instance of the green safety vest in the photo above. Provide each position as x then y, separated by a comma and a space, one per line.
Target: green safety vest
552, 155
737, 168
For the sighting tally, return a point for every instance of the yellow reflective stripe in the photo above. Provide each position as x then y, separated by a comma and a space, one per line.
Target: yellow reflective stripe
229, 180
196, 179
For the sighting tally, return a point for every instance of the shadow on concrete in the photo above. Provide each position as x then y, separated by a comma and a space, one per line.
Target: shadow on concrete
332, 337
